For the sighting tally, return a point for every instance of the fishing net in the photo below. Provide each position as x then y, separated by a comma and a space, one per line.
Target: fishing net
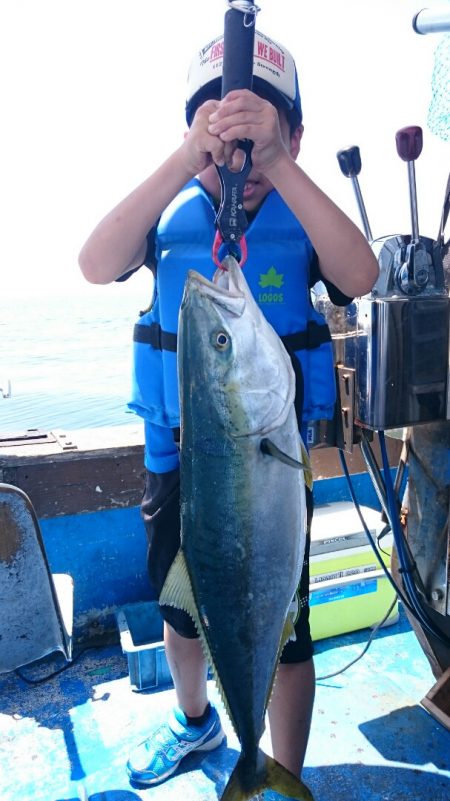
439, 111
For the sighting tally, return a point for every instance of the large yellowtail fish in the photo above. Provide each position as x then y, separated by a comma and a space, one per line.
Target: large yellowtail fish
242, 508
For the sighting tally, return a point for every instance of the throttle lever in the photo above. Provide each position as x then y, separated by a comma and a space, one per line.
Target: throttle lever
413, 265
349, 160
409, 143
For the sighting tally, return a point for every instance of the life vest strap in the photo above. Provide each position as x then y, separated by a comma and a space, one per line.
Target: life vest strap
314, 336
155, 336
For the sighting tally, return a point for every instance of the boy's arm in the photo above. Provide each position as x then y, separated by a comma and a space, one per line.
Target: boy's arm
345, 256
337, 297
118, 243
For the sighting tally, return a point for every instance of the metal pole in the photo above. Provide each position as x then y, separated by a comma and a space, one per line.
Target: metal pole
413, 201
432, 20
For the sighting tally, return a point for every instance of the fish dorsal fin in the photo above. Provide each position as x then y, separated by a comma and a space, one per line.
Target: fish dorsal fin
177, 591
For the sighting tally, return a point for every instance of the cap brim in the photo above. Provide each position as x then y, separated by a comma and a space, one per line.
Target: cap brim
213, 91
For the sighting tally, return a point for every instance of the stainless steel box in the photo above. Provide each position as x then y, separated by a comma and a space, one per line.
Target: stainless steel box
401, 361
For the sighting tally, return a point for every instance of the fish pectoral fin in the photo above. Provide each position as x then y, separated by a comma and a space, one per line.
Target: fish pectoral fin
269, 774
270, 449
177, 588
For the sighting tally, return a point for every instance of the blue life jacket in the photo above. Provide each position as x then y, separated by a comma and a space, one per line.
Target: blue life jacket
277, 271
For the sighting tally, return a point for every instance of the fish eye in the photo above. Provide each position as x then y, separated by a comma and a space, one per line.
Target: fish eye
221, 340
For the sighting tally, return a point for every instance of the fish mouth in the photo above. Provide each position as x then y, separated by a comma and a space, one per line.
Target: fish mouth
223, 292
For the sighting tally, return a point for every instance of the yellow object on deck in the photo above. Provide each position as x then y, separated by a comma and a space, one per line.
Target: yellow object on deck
348, 588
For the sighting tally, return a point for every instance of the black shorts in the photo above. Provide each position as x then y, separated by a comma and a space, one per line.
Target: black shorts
161, 514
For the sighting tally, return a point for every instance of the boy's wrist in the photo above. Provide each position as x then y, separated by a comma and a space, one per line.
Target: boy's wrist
280, 166
185, 166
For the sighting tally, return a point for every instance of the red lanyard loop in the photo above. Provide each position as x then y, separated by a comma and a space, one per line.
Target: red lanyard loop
218, 241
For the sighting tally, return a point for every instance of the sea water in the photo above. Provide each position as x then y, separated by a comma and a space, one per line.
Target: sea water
67, 360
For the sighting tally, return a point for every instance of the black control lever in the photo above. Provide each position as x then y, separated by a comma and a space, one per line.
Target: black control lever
349, 160
412, 263
237, 73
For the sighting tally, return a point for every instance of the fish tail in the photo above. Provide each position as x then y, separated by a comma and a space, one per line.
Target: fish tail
269, 775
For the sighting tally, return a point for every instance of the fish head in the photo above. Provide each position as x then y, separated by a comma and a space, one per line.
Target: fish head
230, 358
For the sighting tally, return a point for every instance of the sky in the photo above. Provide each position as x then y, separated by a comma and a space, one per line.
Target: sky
93, 95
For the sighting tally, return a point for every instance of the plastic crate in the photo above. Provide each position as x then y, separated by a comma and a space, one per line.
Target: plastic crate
141, 637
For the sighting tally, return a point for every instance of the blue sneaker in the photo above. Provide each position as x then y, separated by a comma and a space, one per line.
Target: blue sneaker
157, 757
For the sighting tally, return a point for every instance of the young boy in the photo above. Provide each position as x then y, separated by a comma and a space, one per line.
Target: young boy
299, 237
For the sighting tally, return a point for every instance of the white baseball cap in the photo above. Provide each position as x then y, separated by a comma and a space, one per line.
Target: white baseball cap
274, 75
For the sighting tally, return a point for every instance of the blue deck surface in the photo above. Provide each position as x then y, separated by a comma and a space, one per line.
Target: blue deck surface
69, 739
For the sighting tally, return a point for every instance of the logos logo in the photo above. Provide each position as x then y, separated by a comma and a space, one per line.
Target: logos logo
271, 280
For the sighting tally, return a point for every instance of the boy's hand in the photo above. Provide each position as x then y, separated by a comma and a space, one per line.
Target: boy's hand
202, 148
244, 115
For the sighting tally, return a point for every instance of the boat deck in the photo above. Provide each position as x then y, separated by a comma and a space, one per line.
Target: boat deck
69, 738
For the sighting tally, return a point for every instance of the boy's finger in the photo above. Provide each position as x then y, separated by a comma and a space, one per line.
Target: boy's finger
217, 151
229, 151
